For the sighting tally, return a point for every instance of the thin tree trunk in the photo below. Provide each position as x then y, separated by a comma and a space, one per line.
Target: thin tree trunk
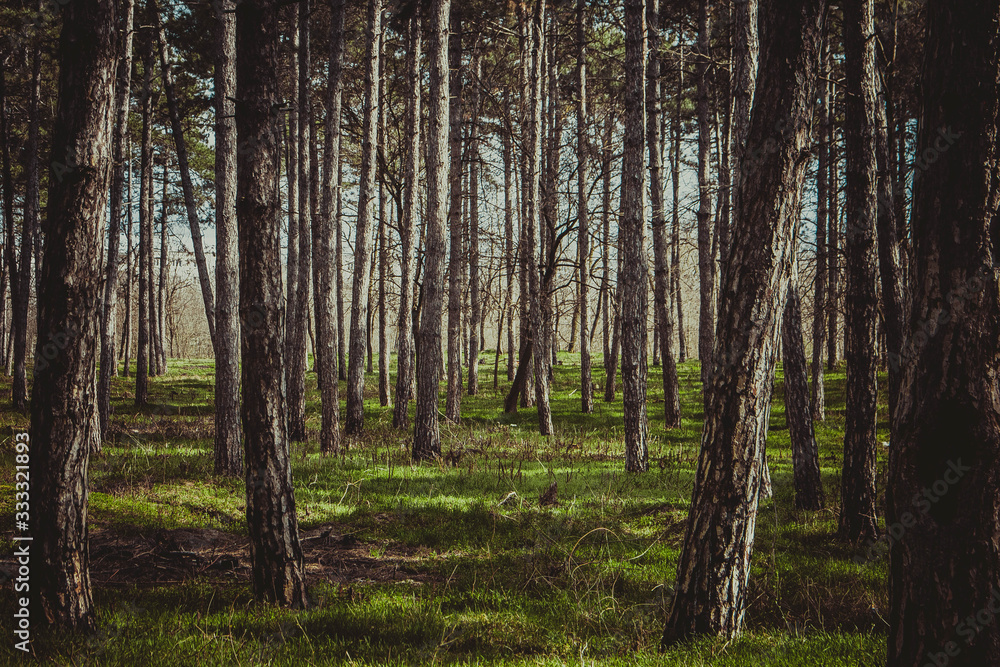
109, 310
675, 241
714, 566
339, 277
453, 403
228, 450
278, 571
583, 214
706, 263
427, 436
177, 131
945, 466
833, 240
661, 262
362, 252
126, 343
383, 236
858, 495
161, 282
404, 335
64, 419
818, 397
145, 225
508, 245
475, 298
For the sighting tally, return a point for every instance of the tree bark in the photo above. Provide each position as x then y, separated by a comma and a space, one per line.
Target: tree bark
145, 225
278, 571
706, 260
453, 403
818, 397
64, 419
427, 436
583, 213
475, 298
857, 512
661, 261
833, 239
383, 236
710, 592
362, 244
944, 468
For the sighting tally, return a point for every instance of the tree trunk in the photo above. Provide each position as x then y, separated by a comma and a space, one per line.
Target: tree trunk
583, 214
453, 403
64, 419
161, 282
362, 245
607, 323
10, 259
228, 451
711, 588
383, 236
427, 436
339, 270
818, 397
145, 225
706, 260
833, 238
123, 78
278, 571
126, 342
177, 131
857, 512
805, 452
675, 241
404, 334
475, 298
945, 566
661, 261
508, 244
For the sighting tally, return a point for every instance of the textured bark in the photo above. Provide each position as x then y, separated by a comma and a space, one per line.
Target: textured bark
228, 450
161, 281
427, 436
326, 231
453, 402
291, 146
833, 240
675, 240
339, 270
945, 567
706, 260
711, 588
10, 258
383, 236
857, 511
109, 310
145, 225
404, 330
632, 244
278, 572
508, 245
177, 132
818, 396
606, 323
64, 420
475, 298
805, 452
583, 214
126, 341
661, 261
362, 244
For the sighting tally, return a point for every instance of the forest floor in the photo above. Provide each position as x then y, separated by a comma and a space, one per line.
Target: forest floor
453, 562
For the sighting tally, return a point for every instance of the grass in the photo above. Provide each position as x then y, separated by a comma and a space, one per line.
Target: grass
421, 564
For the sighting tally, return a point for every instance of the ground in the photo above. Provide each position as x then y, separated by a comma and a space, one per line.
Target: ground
456, 562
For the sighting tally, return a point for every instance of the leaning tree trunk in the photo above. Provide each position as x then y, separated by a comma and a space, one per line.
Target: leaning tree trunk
427, 436
944, 469
818, 397
362, 245
278, 570
404, 335
631, 245
64, 420
661, 261
857, 489
453, 402
325, 231
228, 451
123, 79
177, 132
706, 259
805, 452
711, 588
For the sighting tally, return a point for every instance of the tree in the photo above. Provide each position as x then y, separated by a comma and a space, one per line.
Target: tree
64, 420
944, 568
453, 402
857, 510
427, 436
325, 230
366, 214
710, 592
706, 259
278, 571
475, 297
818, 396
583, 214
145, 224
228, 450
631, 244
123, 81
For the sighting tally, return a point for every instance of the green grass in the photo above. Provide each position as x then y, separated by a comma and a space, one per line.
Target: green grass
472, 581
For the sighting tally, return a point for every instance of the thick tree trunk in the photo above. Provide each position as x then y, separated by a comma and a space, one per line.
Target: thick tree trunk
805, 452
228, 451
404, 330
706, 259
145, 225
632, 244
427, 436
857, 511
661, 261
945, 466
278, 571
177, 131
109, 309
711, 588
453, 402
362, 244
818, 396
64, 420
